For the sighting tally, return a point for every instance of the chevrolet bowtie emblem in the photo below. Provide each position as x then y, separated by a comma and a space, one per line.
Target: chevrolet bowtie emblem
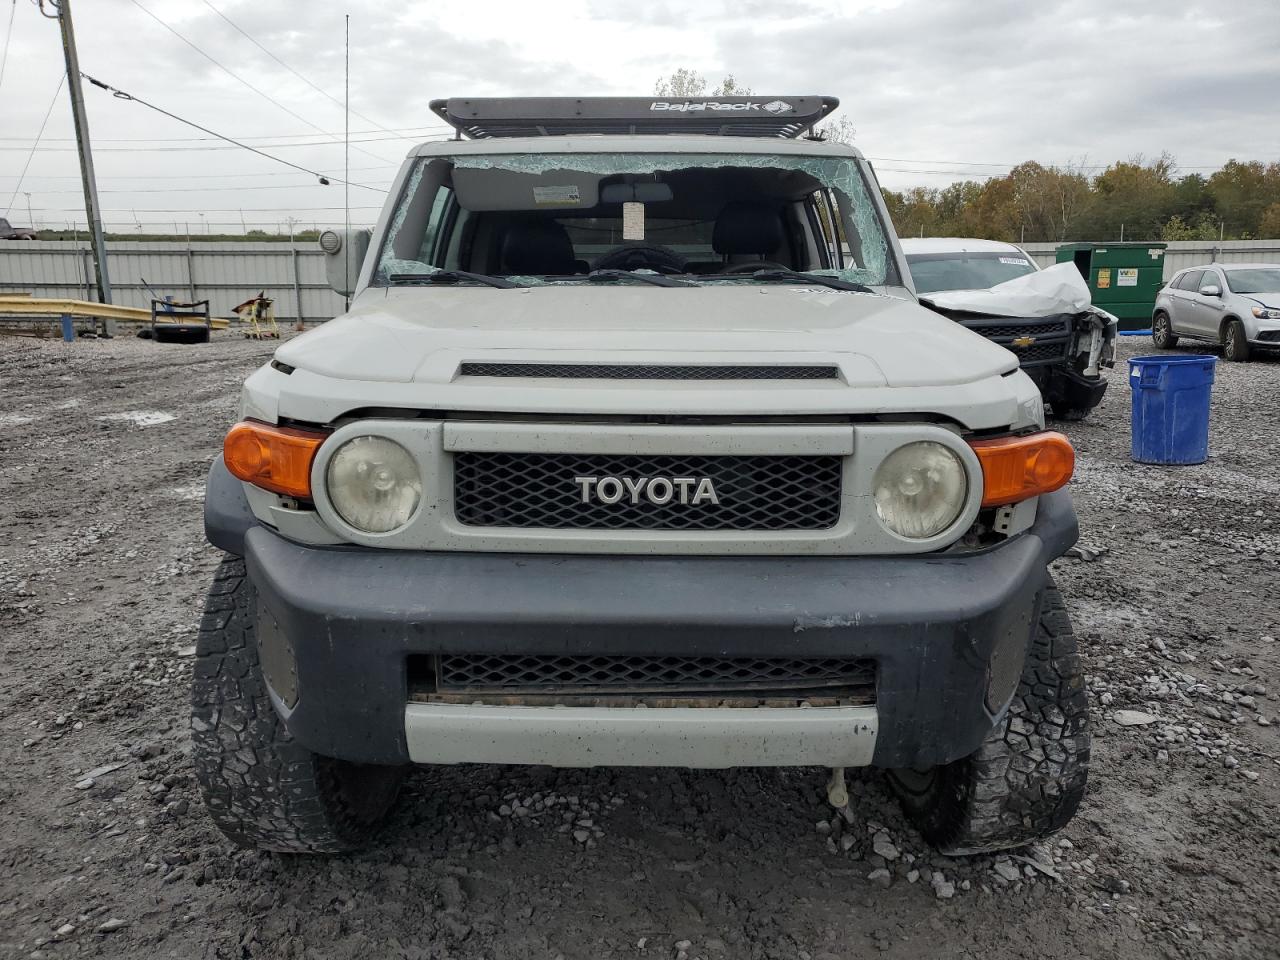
1023, 341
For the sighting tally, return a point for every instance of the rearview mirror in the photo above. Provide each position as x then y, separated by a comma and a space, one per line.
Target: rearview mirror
344, 252
1210, 290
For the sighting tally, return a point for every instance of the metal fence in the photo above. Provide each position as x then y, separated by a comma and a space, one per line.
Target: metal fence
1187, 253
229, 272
225, 273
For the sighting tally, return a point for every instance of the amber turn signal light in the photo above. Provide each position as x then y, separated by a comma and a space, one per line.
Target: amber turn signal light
273, 458
1018, 468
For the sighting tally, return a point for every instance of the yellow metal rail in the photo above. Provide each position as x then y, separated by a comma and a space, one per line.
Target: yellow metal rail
46, 307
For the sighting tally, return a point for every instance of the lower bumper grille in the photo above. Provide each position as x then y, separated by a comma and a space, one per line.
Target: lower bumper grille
489, 675
742, 493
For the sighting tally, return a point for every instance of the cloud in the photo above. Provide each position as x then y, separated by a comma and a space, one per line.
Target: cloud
946, 85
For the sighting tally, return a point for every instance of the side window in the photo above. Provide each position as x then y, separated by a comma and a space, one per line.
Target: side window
1190, 280
1210, 277
826, 221
435, 239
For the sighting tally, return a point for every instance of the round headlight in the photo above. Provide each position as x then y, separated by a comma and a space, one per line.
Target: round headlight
920, 490
374, 484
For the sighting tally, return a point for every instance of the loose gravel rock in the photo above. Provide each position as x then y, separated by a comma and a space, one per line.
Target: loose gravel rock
103, 567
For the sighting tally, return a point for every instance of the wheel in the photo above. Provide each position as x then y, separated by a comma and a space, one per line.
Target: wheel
1235, 342
1028, 777
1162, 331
262, 788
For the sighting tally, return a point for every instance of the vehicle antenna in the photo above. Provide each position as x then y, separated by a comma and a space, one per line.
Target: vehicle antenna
346, 150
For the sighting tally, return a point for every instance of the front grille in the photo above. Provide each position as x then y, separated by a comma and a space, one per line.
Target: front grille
1051, 337
531, 674
1039, 353
752, 493
631, 371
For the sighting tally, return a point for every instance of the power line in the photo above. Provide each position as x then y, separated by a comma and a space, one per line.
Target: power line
189, 176
270, 186
273, 146
236, 76
269, 53
48, 113
127, 96
4, 57
415, 131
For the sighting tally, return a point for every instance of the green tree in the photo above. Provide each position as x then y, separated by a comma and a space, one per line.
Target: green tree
1241, 192
1269, 224
1133, 197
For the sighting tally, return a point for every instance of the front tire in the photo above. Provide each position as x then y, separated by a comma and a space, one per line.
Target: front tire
1027, 778
1235, 342
1162, 332
261, 787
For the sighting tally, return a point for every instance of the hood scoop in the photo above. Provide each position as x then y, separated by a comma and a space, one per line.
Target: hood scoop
633, 371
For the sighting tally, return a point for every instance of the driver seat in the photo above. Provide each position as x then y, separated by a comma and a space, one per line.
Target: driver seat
536, 247
747, 230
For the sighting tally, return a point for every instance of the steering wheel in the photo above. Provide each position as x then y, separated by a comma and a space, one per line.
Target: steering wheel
753, 266
641, 257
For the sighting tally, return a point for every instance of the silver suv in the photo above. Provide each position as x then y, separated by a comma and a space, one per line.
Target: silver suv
1236, 305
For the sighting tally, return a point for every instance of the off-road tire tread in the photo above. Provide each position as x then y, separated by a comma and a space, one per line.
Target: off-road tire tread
261, 787
1028, 777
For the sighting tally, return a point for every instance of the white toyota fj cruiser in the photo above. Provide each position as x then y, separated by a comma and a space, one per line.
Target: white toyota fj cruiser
634, 447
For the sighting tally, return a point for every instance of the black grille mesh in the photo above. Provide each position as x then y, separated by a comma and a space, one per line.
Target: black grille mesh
1022, 328
539, 490
475, 673
1269, 336
1039, 353
631, 371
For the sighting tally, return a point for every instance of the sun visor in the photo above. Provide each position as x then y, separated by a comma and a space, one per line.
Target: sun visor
1054, 290
506, 190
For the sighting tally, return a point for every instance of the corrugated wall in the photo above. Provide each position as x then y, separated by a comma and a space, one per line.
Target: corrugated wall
225, 273
1187, 253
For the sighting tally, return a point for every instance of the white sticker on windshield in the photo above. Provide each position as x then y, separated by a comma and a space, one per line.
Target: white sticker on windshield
632, 221
1015, 261
566, 195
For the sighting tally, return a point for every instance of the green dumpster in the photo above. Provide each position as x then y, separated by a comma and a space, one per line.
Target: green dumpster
1123, 277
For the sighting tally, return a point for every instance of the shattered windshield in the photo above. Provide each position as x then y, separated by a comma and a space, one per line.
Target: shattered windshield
558, 218
933, 272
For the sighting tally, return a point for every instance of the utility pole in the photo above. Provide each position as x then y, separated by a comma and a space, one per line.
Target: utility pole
92, 211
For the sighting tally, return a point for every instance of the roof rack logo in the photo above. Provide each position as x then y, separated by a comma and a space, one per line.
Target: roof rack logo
778, 106
718, 106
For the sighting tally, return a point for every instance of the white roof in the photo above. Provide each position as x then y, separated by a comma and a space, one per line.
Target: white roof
912, 245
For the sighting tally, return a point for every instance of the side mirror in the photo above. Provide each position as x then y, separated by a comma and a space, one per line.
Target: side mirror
1210, 290
344, 252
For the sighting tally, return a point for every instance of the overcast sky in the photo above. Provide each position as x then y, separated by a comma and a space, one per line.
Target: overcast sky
936, 90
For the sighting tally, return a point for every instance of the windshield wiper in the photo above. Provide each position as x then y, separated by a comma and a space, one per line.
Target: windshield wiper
453, 276
657, 279
796, 276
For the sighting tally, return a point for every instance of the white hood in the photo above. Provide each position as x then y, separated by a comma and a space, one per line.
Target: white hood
1056, 289
423, 334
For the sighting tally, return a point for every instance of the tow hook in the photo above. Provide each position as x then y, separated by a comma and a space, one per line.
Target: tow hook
838, 794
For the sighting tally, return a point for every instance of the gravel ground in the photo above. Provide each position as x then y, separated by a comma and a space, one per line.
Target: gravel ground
105, 849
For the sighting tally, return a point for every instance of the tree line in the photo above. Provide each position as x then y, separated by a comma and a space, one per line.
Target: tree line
1135, 199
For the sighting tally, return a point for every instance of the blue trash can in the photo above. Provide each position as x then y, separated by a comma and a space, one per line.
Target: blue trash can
1171, 408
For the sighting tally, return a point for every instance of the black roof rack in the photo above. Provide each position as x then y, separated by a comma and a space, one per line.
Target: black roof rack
485, 117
